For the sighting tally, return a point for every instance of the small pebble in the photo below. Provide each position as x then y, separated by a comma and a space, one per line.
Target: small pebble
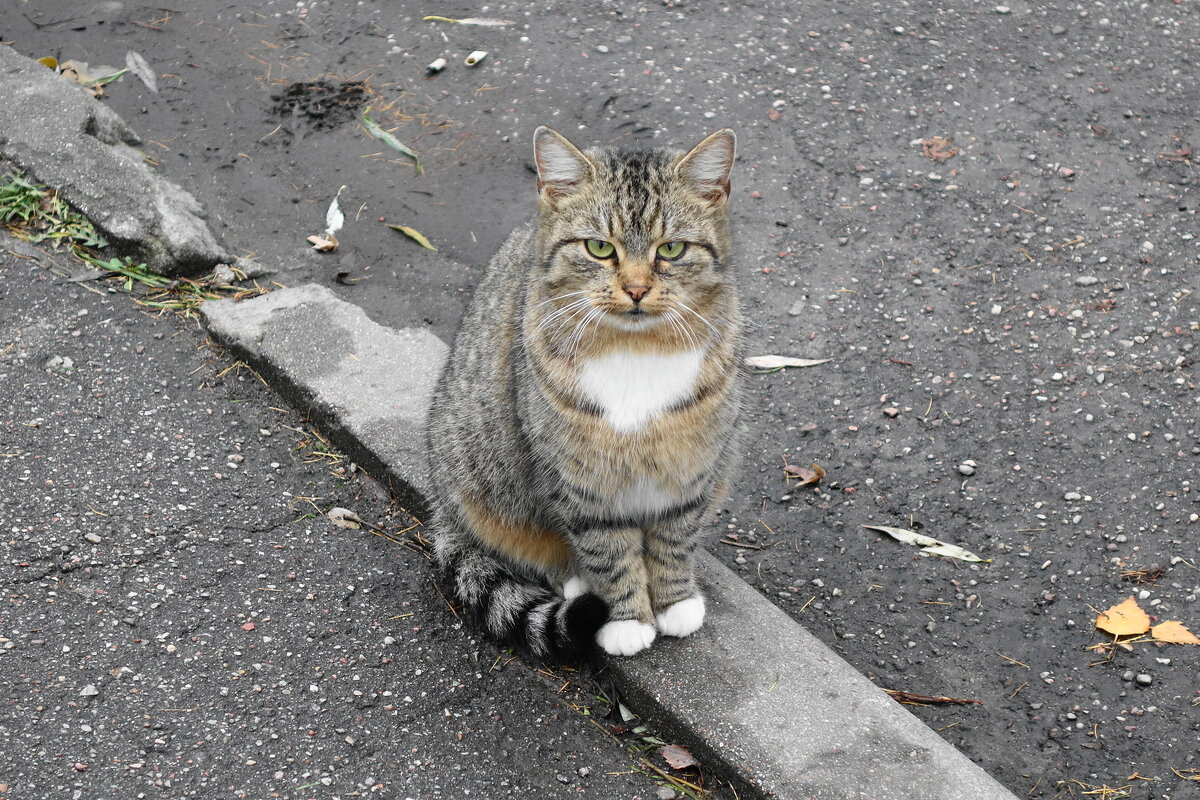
1144, 680
89, 691
891, 412
94, 538
967, 468
1058, 30
665, 793
1072, 496
601, 48
1086, 280
1127, 675
1003, 9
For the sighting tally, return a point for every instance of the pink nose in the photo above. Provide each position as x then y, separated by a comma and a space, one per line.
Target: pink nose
636, 292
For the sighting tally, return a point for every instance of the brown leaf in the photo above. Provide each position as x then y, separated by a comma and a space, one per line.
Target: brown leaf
938, 148
324, 243
678, 757
807, 477
1174, 632
1125, 619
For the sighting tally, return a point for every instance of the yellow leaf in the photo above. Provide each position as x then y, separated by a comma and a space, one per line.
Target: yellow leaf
1173, 631
49, 61
415, 235
1126, 619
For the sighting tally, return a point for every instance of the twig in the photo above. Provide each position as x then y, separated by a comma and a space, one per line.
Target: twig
925, 699
739, 544
1013, 660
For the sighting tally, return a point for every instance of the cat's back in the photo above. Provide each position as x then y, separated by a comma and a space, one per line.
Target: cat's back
473, 413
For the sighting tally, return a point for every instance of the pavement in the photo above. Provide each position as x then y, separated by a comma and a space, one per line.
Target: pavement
181, 620
758, 699
1019, 317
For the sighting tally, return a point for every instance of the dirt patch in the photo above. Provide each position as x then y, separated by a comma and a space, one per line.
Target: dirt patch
321, 105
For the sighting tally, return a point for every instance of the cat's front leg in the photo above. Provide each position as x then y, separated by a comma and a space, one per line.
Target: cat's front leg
611, 563
675, 599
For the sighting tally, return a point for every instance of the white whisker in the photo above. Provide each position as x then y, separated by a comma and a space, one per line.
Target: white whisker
678, 323
576, 338
698, 316
563, 314
563, 297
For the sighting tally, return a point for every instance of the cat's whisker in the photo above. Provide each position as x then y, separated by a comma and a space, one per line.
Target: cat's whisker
563, 314
576, 338
679, 324
698, 316
562, 297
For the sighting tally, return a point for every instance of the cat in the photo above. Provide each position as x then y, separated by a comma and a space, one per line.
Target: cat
586, 419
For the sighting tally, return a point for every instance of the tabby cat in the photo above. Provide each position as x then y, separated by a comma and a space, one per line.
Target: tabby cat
585, 421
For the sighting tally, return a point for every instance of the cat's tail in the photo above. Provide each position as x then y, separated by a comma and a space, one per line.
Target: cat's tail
518, 610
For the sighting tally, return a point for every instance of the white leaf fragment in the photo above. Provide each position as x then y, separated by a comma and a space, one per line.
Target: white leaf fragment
779, 362
139, 67
334, 218
929, 546
344, 518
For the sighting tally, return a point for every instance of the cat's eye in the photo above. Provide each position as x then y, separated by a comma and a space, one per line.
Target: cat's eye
598, 248
671, 249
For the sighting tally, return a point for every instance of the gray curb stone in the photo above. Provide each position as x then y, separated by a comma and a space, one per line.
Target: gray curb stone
65, 138
367, 386
756, 696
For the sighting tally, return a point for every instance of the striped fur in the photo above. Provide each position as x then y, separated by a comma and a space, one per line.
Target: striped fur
586, 418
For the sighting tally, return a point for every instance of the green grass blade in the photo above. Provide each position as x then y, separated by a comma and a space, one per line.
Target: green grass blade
391, 141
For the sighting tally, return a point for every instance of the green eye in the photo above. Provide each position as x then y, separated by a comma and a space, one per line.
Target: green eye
600, 249
671, 249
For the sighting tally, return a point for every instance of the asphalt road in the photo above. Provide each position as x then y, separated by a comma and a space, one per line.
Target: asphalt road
181, 620
1022, 297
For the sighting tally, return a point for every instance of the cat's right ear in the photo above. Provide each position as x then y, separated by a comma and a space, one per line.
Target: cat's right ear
561, 167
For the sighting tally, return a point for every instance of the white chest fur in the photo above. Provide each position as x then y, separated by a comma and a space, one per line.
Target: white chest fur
632, 389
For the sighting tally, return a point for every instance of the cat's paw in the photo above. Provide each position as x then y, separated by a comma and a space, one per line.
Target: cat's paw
625, 637
683, 618
574, 587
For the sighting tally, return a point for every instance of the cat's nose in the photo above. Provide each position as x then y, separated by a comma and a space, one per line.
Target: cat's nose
636, 292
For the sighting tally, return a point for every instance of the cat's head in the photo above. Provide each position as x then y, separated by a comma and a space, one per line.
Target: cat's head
641, 236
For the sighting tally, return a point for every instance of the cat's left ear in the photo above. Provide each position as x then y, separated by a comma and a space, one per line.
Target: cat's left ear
561, 167
708, 164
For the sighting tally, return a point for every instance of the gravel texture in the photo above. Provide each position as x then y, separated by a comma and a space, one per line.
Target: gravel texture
1027, 303
180, 618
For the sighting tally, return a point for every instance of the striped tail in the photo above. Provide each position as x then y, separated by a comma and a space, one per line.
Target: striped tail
516, 610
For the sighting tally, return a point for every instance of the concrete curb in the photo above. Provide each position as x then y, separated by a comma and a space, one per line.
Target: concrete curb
54, 129
755, 695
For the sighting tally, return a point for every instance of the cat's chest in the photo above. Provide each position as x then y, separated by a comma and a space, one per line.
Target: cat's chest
631, 389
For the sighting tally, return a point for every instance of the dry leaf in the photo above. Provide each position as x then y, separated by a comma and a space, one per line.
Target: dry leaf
391, 141
334, 218
1174, 632
901, 696
135, 62
1126, 619
938, 148
807, 477
415, 235
345, 518
779, 362
678, 757
929, 545
323, 243
479, 21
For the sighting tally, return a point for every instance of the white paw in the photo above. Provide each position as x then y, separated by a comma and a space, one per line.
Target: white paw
625, 637
683, 618
574, 587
